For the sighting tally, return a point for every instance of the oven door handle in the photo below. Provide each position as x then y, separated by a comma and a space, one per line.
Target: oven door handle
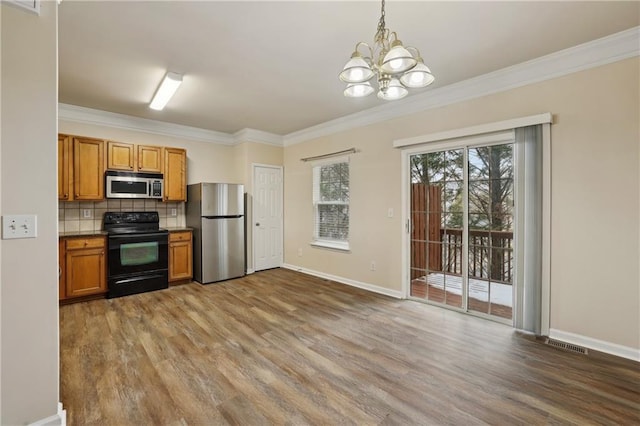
135, 235
139, 278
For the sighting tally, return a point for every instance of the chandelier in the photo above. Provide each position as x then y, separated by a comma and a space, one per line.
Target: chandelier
393, 65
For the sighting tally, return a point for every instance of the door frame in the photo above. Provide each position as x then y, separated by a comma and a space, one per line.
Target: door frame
254, 166
445, 140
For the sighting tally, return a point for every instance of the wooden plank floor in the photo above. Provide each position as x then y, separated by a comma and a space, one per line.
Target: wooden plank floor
280, 347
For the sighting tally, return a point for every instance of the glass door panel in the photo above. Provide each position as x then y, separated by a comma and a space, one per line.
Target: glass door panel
490, 218
436, 234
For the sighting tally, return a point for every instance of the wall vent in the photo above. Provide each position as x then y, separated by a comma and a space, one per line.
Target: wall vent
567, 346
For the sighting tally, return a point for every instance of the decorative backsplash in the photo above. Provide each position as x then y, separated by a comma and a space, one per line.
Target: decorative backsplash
71, 214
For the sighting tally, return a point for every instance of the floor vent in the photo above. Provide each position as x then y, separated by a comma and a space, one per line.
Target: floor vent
567, 346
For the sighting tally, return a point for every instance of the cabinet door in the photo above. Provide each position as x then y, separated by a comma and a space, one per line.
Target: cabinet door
88, 169
64, 168
120, 156
86, 272
175, 174
150, 159
62, 276
180, 260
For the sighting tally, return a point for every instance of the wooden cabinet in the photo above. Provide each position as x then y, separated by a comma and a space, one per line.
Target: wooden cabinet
180, 256
62, 269
120, 156
149, 159
88, 169
134, 158
83, 267
65, 167
175, 174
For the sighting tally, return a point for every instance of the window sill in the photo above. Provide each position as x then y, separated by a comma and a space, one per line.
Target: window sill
334, 245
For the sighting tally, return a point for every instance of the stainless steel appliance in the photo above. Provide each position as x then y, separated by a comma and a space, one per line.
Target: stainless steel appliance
133, 185
215, 211
138, 253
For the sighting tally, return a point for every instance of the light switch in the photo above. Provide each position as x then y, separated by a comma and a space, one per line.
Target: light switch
19, 226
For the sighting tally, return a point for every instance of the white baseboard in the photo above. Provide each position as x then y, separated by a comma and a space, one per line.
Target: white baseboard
595, 344
250, 271
365, 286
58, 419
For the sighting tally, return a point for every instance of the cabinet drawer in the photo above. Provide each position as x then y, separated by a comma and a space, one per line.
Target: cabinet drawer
83, 243
180, 236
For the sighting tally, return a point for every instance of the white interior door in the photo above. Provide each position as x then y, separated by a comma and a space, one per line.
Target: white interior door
267, 217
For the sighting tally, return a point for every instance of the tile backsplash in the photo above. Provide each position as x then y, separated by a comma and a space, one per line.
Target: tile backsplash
76, 216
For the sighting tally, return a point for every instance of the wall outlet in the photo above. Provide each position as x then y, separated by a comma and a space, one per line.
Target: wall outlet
299, 252
86, 213
372, 267
390, 212
19, 226
174, 212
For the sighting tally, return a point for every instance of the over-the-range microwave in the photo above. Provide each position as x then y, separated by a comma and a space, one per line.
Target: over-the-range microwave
134, 185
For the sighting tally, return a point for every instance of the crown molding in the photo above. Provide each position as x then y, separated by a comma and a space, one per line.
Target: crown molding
592, 54
84, 115
258, 136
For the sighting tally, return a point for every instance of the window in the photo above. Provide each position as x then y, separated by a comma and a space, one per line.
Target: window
331, 204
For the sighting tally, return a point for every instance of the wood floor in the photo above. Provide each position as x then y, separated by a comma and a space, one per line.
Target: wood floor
280, 347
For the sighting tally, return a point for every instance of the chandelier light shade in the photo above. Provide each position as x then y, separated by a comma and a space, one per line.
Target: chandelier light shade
395, 67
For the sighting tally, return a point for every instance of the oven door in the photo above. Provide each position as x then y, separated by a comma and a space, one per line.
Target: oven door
138, 253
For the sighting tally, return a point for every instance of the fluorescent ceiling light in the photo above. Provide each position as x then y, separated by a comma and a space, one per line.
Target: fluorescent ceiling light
166, 90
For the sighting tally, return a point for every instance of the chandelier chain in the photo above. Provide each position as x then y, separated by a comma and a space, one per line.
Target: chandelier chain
381, 24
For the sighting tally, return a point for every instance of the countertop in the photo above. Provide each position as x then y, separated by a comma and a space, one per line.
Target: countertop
100, 233
178, 228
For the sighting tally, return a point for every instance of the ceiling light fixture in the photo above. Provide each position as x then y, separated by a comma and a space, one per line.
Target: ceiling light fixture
393, 65
166, 90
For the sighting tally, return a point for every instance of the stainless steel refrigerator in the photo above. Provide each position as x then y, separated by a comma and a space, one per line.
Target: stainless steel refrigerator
215, 211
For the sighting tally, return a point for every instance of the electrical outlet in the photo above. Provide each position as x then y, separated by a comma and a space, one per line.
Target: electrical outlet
299, 252
19, 226
372, 267
174, 212
86, 213
390, 212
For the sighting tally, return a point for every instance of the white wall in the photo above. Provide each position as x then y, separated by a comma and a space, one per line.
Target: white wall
29, 267
595, 290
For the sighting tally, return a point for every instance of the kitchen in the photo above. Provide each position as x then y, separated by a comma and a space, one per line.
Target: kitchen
88, 186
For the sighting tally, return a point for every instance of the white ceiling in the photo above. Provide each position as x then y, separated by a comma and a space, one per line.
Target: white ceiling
273, 66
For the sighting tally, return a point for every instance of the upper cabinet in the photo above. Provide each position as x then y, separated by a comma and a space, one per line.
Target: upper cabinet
81, 163
149, 159
120, 156
65, 167
175, 174
134, 158
88, 169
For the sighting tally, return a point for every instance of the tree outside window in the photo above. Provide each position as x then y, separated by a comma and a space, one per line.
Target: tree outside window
331, 202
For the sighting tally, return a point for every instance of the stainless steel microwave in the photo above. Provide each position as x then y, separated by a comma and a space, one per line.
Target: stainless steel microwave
134, 185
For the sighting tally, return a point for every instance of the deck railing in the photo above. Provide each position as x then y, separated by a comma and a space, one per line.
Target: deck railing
490, 254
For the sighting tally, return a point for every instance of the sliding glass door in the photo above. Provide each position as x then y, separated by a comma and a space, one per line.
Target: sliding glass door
461, 240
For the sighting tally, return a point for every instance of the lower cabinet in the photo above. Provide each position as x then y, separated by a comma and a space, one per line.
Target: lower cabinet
83, 268
180, 256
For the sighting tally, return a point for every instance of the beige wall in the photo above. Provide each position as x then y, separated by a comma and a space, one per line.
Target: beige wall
595, 196
29, 267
